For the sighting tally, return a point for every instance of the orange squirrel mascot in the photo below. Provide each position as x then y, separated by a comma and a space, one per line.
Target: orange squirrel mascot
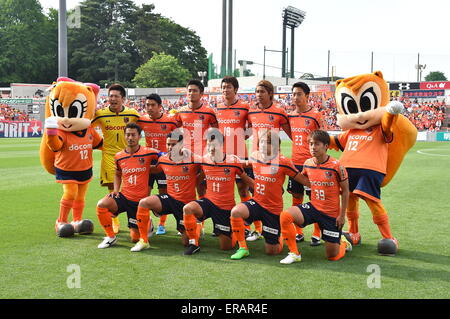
66, 148
375, 140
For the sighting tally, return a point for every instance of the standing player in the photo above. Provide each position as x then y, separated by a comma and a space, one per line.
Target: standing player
130, 185
328, 179
156, 126
220, 170
303, 120
112, 121
270, 168
181, 168
263, 116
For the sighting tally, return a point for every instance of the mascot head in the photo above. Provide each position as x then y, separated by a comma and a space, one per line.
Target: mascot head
72, 104
361, 100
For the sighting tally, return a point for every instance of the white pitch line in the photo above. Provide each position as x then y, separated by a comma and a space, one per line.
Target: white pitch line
431, 154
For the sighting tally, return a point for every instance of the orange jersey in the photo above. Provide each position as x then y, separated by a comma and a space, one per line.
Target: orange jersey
195, 123
272, 117
135, 172
301, 125
269, 179
76, 152
181, 177
325, 188
366, 149
156, 131
220, 178
232, 122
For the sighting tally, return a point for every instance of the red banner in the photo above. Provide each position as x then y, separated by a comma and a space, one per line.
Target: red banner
20, 129
435, 85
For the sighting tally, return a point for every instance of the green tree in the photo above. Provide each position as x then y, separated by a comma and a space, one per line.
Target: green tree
28, 44
161, 70
436, 76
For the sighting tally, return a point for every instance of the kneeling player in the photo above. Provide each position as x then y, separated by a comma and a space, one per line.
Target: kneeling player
220, 171
181, 168
132, 172
270, 169
328, 179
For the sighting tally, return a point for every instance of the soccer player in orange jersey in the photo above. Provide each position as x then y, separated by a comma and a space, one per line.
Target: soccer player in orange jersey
220, 170
270, 169
130, 185
156, 125
303, 120
265, 115
181, 168
328, 178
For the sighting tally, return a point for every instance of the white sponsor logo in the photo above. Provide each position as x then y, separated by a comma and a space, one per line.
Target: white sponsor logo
134, 170
229, 121
132, 221
319, 183
265, 179
300, 129
222, 227
262, 125
76, 147
218, 179
361, 137
148, 134
177, 178
331, 233
270, 230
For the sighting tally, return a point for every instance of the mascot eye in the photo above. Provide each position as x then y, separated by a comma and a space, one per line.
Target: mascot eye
349, 104
57, 108
368, 100
77, 109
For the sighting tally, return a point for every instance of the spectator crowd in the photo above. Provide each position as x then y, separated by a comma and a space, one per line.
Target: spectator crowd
8, 113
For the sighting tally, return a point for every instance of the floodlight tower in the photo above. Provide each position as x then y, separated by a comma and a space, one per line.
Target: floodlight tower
62, 39
292, 18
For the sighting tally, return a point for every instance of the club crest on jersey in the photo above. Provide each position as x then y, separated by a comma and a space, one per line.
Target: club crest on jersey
185, 169
126, 120
273, 170
201, 117
141, 160
90, 137
271, 118
307, 122
328, 175
237, 113
369, 130
163, 127
227, 171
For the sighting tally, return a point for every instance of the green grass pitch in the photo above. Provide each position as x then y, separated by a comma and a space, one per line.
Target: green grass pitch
35, 263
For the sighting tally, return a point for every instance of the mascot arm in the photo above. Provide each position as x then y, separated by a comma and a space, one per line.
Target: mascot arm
337, 143
389, 118
53, 141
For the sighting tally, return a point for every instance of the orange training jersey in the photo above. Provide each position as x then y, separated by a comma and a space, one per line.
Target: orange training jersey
364, 149
195, 123
181, 177
135, 172
269, 179
325, 188
156, 130
232, 122
272, 117
76, 152
220, 178
301, 125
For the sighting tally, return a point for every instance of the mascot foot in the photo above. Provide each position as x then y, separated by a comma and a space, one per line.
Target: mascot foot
83, 227
64, 229
353, 238
388, 247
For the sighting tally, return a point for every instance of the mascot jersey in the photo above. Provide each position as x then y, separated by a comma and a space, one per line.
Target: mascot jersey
112, 125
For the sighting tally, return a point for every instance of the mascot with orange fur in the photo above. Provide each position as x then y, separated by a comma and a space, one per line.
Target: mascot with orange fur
66, 148
374, 141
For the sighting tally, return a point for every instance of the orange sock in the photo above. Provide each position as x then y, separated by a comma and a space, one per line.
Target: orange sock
246, 198
298, 229
105, 219
317, 232
288, 231
77, 210
143, 220
258, 226
238, 227
64, 210
341, 253
280, 242
383, 225
352, 217
190, 224
162, 220
248, 227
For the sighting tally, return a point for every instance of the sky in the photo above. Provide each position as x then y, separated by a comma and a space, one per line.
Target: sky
397, 32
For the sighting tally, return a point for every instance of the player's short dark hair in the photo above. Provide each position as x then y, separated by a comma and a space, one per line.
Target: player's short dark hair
320, 136
232, 80
118, 87
155, 97
305, 88
176, 134
213, 134
133, 125
198, 83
